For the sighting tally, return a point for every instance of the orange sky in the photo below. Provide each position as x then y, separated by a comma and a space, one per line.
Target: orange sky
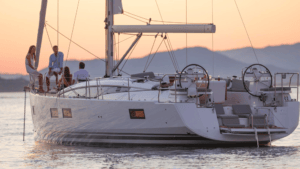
269, 22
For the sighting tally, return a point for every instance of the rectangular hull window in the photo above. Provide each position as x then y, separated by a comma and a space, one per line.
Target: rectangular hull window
137, 113
54, 112
67, 113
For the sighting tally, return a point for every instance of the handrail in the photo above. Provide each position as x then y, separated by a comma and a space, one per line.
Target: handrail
128, 90
291, 80
97, 89
175, 89
89, 89
159, 89
176, 75
86, 88
99, 79
282, 74
205, 94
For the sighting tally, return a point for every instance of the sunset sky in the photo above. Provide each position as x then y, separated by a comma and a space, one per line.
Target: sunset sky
269, 23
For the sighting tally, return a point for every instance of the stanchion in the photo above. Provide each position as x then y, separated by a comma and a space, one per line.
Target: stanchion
25, 89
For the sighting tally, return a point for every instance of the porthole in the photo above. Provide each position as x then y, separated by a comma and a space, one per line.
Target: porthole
54, 112
137, 113
67, 113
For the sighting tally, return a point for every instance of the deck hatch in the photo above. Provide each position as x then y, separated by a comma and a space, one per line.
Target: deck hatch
67, 113
137, 113
54, 112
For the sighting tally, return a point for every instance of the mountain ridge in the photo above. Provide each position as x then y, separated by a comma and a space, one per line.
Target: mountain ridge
281, 58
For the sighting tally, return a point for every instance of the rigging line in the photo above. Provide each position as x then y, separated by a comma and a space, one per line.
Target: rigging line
118, 51
212, 44
130, 54
125, 72
212, 36
212, 11
57, 23
48, 36
159, 12
115, 51
75, 43
136, 15
152, 20
186, 38
81, 47
246, 31
172, 54
154, 54
125, 39
134, 18
172, 59
118, 46
164, 23
172, 50
150, 53
72, 32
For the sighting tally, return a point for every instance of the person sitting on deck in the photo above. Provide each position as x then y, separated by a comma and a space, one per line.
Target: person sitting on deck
55, 65
66, 79
81, 75
30, 58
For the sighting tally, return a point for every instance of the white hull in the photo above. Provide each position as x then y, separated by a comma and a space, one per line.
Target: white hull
108, 122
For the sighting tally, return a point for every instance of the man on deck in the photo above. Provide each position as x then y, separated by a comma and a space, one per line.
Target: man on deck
55, 66
81, 75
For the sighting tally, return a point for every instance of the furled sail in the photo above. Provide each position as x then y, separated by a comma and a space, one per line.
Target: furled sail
40, 31
117, 7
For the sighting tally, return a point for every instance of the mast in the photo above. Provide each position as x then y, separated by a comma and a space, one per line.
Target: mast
40, 31
109, 40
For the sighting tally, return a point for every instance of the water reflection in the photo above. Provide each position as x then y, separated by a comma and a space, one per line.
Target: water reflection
44, 154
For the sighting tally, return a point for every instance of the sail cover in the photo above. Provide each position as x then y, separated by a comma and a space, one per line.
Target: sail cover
118, 8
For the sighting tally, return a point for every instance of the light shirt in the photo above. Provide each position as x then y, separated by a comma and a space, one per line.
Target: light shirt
81, 74
56, 61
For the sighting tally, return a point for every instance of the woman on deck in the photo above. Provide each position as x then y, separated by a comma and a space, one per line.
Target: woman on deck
66, 79
30, 59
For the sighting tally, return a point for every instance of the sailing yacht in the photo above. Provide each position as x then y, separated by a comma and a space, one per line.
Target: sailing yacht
188, 107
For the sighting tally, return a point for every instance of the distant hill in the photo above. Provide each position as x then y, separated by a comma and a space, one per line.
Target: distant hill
12, 85
223, 65
284, 58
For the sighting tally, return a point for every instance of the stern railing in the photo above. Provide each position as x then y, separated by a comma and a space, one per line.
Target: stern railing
283, 76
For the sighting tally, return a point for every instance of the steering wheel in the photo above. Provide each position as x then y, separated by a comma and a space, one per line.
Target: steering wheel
194, 67
258, 73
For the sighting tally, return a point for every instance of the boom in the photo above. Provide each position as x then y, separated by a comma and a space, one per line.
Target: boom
192, 28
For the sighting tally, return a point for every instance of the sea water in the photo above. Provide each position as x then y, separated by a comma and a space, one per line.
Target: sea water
16, 153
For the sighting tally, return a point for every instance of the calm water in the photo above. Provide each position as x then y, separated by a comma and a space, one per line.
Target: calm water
14, 153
